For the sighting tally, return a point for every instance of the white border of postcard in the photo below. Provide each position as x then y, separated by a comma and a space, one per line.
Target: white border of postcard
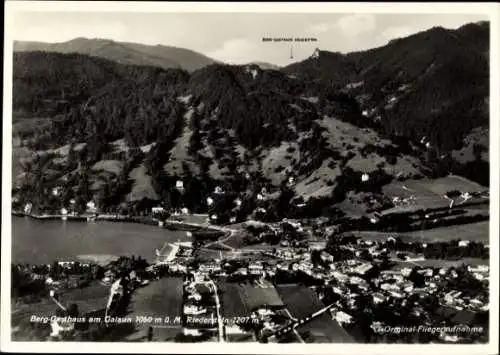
492, 10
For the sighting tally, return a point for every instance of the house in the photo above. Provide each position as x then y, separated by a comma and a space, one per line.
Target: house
396, 294
378, 298
179, 185
28, 207
451, 296
408, 287
340, 276
91, 207
478, 268
242, 271
426, 272
343, 317
194, 310
218, 190
337, 290
194, 296
184, 210
209, 267
192, 332
156, 210
406, 271
64, 211
356, 280
463, 243
388, 287
363, 268
479, 276
56, 191
256, 268
326, 256
365, 177
210, 201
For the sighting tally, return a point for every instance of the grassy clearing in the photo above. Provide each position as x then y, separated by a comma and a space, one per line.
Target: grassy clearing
478, 136
233, 305
301, 302
142, 186
316, 184
179, 154
110, 166
161, 298
472, 231
239, 299
279, 158
440, 263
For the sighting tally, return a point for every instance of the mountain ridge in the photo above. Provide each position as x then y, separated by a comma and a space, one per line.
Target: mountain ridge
124, 52
124, 134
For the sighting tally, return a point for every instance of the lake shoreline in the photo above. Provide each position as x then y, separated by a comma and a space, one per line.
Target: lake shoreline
167, 224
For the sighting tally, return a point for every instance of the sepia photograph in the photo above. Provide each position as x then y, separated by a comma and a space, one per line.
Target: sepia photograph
250, 177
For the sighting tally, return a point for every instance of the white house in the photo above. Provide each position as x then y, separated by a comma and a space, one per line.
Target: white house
91, 206
64, 211
406, 271
210, 201
28, 207
365, 177
363, 268
158, 209
478, 268
463, 243
184, 210
179, 185
193, 332
326, 256
378, 298
218, 190
343, 317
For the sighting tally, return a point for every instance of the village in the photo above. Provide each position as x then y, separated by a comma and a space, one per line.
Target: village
363, 285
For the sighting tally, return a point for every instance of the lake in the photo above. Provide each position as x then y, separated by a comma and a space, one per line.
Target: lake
35, 241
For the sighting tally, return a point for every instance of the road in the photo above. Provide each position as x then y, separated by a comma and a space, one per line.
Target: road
218, 307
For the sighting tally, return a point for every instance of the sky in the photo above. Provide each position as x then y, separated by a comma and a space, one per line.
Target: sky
235, 37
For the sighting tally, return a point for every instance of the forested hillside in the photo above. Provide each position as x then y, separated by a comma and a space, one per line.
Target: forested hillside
327, 131
418, 86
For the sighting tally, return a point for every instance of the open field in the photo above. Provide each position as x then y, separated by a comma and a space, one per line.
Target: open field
161, 298
301, 302
239, 299
440, 263
233, 305
472, 231
429, 193
142, 186
88, 299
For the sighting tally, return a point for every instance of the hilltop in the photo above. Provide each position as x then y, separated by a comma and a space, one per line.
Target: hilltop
123, 52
